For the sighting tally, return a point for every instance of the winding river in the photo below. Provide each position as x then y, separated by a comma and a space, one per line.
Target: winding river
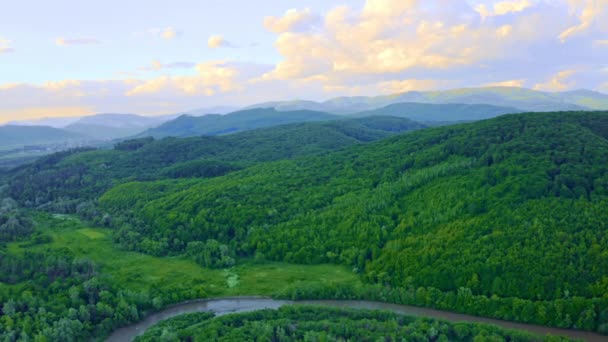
223, 306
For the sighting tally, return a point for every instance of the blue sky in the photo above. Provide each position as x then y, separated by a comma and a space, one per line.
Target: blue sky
65, 58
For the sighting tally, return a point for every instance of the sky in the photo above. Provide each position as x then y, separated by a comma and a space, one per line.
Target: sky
70, 58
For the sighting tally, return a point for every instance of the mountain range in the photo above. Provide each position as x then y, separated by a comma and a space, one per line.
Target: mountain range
11, 136
520, 98
431, 108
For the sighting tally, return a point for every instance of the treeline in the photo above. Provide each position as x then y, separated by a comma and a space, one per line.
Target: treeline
61, 298
571, 312
310, 323
14, 222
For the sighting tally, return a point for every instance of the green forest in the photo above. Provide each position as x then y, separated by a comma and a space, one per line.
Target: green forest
309, 323
503, 218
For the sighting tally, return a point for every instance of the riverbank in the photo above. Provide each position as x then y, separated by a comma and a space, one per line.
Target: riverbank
223, 306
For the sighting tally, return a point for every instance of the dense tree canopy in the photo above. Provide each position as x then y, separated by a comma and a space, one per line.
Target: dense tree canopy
61, 181
309, 323
504, 218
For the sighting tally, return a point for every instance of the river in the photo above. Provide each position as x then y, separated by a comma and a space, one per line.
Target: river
223, 306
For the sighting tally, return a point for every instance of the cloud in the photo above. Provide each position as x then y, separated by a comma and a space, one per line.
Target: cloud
167, 33
170, 33
61, 85
292, 20
5, 46
43, 112
447, 41
510, 83
396, 36
394, 87
157, 65
180, 65
504, 31
212, 77
502, 8
76, 41
218, 41
373, 47
558, 82
590, 13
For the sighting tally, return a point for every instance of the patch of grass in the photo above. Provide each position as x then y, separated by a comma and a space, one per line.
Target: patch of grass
92, 234
136, 270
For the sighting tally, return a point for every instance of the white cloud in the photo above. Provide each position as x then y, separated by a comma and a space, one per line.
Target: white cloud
590, 13
394, 87
157, 66
217, 41
167, 33
5, 46
558, 82
76, 41
510, 83
212, 77
292, 20
170, 33
395, 36
502, 8
27, 113
504, 31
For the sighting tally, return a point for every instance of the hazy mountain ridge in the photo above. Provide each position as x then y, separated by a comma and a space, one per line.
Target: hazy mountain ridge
430, 113
186, 125
12, 135
215, 124
520, 98
115, 126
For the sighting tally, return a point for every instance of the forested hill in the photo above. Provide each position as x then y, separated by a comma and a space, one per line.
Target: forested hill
189, 126
430, 113
215, 124
513, 206
66, 179
11, 135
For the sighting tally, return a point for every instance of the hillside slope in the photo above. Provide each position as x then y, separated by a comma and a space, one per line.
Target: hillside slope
215, 124
84, 174
512, 206
423, 112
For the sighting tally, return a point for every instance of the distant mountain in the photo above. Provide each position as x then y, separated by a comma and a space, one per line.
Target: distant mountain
524, 99
113, 126
211, 110
50, 122
588, 98
214, 124
520, 98
431, 113
13, 136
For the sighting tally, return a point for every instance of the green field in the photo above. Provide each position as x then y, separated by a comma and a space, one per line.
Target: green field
136, 271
